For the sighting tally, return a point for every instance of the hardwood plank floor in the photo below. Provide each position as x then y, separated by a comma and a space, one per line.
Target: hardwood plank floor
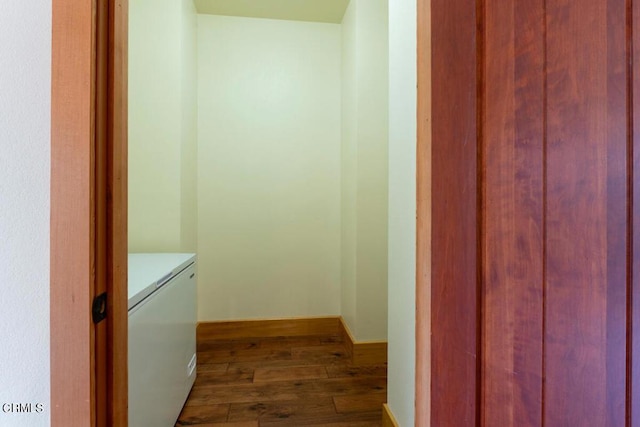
283, 382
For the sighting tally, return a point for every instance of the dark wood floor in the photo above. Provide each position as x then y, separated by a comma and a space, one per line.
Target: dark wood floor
272, 382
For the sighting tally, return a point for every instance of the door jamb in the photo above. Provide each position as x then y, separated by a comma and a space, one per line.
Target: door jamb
423, 218
73, 398
79, 356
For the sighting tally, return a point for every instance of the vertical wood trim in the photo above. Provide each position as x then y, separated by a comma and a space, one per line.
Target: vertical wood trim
423, 224
633, 343
454, 257
586, 213
72, 251
480, 189
100, 205
631, 96
117, 213
513, 137
545, 145
617, 202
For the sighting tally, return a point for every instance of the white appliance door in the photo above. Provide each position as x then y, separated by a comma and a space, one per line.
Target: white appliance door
162, 343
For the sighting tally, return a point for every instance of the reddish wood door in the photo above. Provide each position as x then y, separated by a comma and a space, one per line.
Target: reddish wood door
454, 213
534, 182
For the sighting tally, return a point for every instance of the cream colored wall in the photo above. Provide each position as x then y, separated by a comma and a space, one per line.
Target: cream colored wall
268, 168
161, 125
25, 138
349, 168
373, 128
189, 148
330, 11
402, 210
271, 165
365, 71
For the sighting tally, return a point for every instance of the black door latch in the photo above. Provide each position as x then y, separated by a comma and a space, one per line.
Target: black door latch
99, 309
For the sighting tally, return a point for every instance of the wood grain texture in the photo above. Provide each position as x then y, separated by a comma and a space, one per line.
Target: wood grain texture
454, 257
369, 353
617, 201
371, 423
363, 352
71, 282
238, 424
117, 362
360, 353
88, 241
633, 313
232, 374
99, 206
388, 420
513, 170
289, 373
327, 354
585, 213
347, 336
204, 414
323, 407
267, 328
558, 97
370, 402
343, 371
279, 384
423, 217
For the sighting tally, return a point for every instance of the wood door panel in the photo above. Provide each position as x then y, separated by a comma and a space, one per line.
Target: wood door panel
117, 363
88, 212
633, 408
556, 248
423, 220
454, 203
618, 203
513, 137
582, 237
72, 360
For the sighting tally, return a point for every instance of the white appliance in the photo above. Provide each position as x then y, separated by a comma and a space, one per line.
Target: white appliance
162, 336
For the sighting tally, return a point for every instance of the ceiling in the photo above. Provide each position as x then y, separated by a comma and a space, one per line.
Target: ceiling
295, 10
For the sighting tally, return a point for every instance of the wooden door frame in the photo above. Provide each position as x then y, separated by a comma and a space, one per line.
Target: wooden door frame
423, 217
73, 209
88, 212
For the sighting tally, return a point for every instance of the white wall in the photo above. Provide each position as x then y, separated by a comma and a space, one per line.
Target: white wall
402, 210
189, 153
162, 134
25, 29
349, 168
364, 168
25, 103
268, 168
